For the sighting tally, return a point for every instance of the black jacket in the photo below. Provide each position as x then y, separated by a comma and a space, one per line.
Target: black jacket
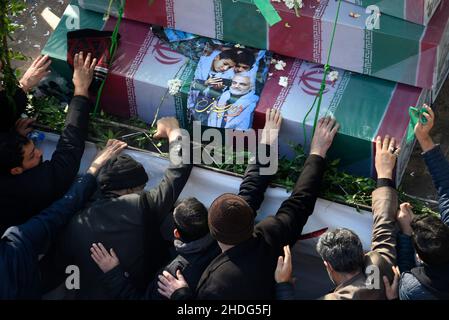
25, 195
246, 271
9, 114
21, 245
129, 224
191, 264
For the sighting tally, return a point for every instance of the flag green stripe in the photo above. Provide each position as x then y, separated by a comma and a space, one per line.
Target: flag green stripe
242, 21
394, 8
394, 54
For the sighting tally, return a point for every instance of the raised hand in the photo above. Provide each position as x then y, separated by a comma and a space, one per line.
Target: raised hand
83, 73
404, 218
273, 123
168, 284
112, 149
35, 73
422, 130
283, 272
386, 155
105, 260
392, 290
167, 127
23, 126
324, 136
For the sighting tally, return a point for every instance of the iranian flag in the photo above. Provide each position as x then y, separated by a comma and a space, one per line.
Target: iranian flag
364, 106
392, 49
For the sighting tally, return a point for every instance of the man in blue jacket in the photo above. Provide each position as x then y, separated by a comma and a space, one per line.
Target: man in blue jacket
426, 234
21, 245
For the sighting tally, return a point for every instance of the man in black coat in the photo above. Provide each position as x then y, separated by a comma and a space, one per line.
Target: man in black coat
194, 245
28, 185
21, 245
123, 217
245, 268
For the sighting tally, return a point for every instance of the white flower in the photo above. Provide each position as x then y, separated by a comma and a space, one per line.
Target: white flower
283, 81
280, 65
273, 61
174, 85
290, 3
333, 76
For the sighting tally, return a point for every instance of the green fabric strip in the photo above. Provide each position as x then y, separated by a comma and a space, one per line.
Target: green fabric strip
394, 8
416, 115
266, 9
399, 37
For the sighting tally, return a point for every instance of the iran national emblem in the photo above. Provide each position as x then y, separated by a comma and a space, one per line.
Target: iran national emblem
310, 80
164, 54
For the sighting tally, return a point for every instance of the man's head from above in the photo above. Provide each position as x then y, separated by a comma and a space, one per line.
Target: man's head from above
122, 175
190, 220
231, 219
342, 253
245, 61
241, 84
430, 238
18, 154
224, 61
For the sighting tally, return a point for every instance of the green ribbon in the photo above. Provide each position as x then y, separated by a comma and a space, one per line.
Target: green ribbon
319, 97
112, 50
266, 9
416, 115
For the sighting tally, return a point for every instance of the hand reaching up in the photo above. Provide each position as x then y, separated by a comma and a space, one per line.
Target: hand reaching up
283, 272
273, 123
386, 155
167, 127
404, 218
83, 73
35, 73
24, 126
422, 130
324, 136
112, 149
392, 290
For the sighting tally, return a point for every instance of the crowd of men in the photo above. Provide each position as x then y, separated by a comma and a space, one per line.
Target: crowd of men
108, 225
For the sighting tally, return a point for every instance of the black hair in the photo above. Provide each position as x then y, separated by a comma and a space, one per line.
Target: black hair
11, 151
230, 54
431, 240
246, 57
190, 218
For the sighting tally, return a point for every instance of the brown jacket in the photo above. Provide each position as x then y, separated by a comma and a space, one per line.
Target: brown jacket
382, 254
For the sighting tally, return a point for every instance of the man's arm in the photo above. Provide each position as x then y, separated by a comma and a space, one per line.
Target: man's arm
162, 198
385, 200
40, 230
254, 185
287, 225
405, 251
66, 159
436, 163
